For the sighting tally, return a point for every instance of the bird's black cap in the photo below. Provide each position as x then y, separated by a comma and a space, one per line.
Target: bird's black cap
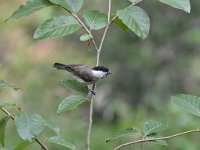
101, 68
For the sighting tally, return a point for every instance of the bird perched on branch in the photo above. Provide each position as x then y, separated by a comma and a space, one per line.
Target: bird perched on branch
85, 74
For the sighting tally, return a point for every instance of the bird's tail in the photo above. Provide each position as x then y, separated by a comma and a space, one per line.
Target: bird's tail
62, 67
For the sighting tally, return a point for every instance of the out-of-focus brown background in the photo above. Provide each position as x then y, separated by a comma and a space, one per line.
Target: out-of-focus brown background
145, 74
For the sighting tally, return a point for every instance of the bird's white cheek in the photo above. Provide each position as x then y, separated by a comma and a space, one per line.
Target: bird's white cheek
98, 74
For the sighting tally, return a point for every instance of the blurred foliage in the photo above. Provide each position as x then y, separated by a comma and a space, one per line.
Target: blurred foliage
145, 74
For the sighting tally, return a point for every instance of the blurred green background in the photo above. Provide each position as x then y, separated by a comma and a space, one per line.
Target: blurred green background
145, 74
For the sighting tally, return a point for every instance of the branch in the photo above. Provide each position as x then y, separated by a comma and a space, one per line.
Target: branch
106, 29
13, 118
137, 2
90, 124
7, 113
104, 33
83, 25
109, 10
87, 30
159, 138
101, 44
134, 3
90, 120
93, 87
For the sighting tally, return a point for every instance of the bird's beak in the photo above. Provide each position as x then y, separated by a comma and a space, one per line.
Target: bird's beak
109, 73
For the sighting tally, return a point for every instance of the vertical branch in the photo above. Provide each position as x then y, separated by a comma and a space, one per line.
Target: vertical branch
98, 56
93, 87
90, 121
109, 10
98, 49
104, 33
90, 124
101, 44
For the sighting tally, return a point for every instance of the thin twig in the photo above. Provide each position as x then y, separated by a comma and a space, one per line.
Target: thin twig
134, 3
90, 120
87, 30
137, 2
98, 49
13, 118
107, 26
7, 113
83, 25
41, 144
104, 33
109, 10
90, 124
93, 88
154, 139
101, 44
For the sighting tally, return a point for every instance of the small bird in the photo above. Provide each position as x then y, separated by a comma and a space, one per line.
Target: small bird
85, 74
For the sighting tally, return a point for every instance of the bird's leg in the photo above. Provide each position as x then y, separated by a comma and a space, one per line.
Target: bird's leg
92, 91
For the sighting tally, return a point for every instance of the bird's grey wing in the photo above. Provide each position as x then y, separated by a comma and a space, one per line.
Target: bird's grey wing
84, 72
69, 68
74, 66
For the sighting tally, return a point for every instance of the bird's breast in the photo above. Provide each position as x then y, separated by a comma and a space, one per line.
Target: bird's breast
99, 74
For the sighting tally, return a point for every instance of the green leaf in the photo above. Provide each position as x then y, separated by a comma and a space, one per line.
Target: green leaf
8, 85
61, 141
30, 7
120, 24
57, 27
2, 104
76, 86
189, 103
180, 4
134, 1
95, 19
136, 19
159, 142
53, 126
152, 126
85, 37
29, 125
70, 102
23, 145
129, 132
71, 5
3, 123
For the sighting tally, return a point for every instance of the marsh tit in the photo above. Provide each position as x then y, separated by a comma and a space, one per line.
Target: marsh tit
85, 74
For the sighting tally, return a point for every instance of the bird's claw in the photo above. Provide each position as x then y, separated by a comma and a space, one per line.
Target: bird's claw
92, 91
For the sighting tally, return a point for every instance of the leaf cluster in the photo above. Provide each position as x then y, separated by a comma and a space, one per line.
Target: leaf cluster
132, 17
152, 128
30, 126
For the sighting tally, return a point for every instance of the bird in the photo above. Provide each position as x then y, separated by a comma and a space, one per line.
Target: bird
85, 74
